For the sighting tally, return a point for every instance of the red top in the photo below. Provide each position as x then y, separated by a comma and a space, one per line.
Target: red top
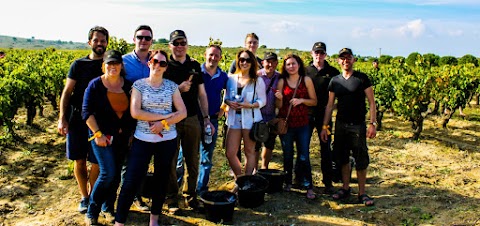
298, 115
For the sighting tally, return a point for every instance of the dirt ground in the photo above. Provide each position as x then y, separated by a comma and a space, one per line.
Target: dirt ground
433, 181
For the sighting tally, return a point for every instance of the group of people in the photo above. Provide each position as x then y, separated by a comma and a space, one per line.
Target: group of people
120, 111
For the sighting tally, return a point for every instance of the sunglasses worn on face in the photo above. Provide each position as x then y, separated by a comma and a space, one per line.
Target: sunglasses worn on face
147, 38
345, 58
184, 43
320, 52
161, 62
245, 60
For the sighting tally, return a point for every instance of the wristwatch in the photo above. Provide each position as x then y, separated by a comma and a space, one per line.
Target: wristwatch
374, 123
206, 117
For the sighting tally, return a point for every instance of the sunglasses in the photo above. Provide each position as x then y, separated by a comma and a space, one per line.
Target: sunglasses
147, 38
320, 52
161, 62
183, 43
346, 58
245, 60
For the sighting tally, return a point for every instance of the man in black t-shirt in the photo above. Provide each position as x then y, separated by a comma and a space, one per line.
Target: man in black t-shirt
186, 72
70, 121
350, 88
321, 73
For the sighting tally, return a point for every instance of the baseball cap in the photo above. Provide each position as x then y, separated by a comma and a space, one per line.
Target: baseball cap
177, 34
269, 56
345, 51
112, 56
319, 46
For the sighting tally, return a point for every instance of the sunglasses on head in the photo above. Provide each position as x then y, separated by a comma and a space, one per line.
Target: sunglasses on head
245, 60
320, 52
161, 62
182, 43
147, 38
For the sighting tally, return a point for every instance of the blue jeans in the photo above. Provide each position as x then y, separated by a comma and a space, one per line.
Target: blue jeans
303, 169
206, 156
138, 161
110, 159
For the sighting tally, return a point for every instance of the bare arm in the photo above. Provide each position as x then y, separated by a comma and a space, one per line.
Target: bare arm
64, 104
203, 101
137, 112
372, 130
328, 116
278, 94
312, 97
181, 112
93, 126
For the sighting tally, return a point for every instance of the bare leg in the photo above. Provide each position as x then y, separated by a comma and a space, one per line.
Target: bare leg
233, 143
154, 220
362, 180
94, 171
346, 176
81, 175
250, 155
266, 157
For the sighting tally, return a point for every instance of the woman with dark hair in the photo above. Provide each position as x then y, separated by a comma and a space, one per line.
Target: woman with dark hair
153, 102
295, 93
245, 95
105, 109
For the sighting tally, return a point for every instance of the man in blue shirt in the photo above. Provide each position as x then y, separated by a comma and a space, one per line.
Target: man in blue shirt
135, 63
136, 67
215, 80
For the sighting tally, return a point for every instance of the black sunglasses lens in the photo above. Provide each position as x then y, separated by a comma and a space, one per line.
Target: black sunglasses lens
180, 43
147, 38
245, 60
163, 63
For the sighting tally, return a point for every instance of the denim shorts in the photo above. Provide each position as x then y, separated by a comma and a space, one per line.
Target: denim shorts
78, 146
351, 139
237, 124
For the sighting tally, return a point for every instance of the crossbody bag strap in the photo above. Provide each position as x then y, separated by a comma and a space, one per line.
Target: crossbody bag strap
253, 98
294, 92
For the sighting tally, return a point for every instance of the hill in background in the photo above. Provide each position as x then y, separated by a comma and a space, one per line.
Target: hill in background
9, 42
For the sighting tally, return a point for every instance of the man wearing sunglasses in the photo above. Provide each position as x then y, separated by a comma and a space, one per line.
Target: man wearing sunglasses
186, 72
321, 73
135, 64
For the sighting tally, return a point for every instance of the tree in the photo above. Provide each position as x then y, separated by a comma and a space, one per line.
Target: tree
263, 47
431, 59
215, 42
117, 44
398, 59
384, 59
412, 58
468, 59
448, 60
162, 41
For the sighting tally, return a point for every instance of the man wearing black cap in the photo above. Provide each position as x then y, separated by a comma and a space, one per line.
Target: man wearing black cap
321, 72
270, 77
70, 121
186, 73
350, 88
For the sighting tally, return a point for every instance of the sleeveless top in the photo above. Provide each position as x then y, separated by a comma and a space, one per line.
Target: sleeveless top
298, 115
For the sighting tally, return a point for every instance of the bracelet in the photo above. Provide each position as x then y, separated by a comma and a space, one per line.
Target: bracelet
97, 134
165, 124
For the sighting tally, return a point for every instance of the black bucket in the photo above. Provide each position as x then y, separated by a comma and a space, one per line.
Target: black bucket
275, 179
219, 205
251, 190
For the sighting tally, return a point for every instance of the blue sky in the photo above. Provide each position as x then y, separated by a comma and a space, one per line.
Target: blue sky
392, 27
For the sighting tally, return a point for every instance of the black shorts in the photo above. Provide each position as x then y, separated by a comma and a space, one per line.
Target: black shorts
269, 144
78, 146
352, 138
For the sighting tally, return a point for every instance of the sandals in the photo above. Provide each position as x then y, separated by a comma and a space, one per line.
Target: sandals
342, 194
366, 200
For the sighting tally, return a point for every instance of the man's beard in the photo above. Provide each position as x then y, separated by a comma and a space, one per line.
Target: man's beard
100, 51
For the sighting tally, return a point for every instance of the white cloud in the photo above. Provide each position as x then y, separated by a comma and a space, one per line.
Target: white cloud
414, 28
286, 26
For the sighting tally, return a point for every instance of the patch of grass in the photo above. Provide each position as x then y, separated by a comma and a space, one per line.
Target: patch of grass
445, 171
